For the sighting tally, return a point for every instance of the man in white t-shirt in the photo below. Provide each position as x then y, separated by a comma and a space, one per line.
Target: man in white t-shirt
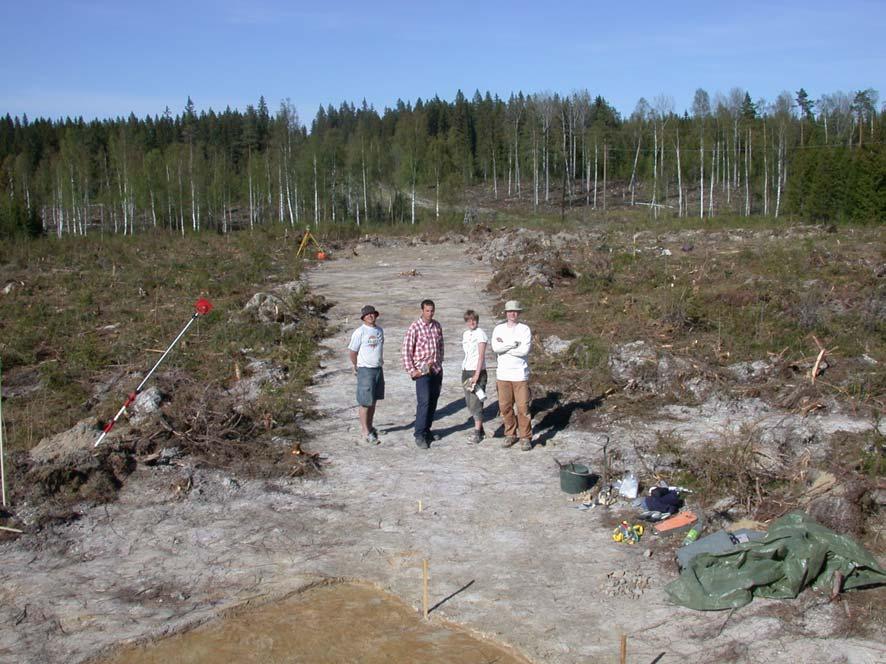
511, 342
366, 352
473, 371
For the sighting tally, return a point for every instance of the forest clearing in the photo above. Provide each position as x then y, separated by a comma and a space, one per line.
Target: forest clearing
514, 333
742, 359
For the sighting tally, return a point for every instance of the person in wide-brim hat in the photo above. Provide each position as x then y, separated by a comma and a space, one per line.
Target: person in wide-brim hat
511, 342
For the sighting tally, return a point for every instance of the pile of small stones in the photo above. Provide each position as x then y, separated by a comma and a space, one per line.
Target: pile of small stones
630, 583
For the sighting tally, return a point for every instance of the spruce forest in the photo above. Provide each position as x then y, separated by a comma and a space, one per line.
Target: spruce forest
815, 159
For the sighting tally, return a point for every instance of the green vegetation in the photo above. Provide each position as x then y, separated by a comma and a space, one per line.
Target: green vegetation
556, 155
85, 316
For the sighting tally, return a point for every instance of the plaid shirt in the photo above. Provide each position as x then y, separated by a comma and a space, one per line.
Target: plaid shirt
423, 344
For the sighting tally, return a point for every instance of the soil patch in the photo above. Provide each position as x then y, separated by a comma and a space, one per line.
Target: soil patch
332, 623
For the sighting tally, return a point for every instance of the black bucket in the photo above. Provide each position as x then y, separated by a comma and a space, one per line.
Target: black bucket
575, 478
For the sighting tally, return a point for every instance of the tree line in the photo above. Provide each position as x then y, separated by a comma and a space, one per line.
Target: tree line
819, 159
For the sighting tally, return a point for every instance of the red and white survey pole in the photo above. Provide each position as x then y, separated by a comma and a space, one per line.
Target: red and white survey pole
201, 308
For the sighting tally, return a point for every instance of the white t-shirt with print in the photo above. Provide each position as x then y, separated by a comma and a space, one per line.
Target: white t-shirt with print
470, 342
368, 342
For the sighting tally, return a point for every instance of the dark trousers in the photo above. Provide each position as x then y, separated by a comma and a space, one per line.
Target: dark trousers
427, 391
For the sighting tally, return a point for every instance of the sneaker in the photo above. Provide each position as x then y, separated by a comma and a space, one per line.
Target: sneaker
372, 438
475, 437
422, 443
526, 445
510, 441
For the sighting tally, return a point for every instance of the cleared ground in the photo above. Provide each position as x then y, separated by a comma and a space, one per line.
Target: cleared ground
510, 558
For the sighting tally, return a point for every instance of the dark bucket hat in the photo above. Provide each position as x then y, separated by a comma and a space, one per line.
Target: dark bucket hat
368, 309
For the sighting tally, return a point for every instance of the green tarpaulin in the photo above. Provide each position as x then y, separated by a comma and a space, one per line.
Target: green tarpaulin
797, 552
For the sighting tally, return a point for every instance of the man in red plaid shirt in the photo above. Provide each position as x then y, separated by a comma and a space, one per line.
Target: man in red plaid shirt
423, 361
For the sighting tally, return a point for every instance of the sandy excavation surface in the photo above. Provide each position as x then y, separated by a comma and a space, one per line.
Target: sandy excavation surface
510, 557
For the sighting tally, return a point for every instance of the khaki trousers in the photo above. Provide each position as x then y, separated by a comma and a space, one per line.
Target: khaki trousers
510, 394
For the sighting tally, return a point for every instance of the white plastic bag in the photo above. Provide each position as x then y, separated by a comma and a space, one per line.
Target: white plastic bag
629, 486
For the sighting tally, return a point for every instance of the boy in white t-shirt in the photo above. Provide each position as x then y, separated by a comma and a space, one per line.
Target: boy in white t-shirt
473, 371
366, 352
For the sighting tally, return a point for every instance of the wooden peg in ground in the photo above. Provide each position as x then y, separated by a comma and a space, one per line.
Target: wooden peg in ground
425, 598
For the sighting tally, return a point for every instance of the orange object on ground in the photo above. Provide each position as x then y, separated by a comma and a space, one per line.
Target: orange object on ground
679, 520
321, 255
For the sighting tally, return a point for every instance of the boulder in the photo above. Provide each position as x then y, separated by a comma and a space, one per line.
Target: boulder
554, 345
145, 406
67, 444
257, 375
266, 308
747, 372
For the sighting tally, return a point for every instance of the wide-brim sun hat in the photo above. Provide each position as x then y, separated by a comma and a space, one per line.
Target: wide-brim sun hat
513, 305
368, 309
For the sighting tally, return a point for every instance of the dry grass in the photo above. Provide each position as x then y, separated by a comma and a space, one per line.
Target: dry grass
85, 318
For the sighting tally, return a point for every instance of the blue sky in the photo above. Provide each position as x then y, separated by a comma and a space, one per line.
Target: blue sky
102, 58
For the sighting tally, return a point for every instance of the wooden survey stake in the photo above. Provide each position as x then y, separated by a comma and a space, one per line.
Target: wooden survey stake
424, 583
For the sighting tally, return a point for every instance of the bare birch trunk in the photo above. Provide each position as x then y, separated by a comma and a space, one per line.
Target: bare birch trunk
269, 182
281, 213
494, 176
358, 209
289, 195
715, 157
566, 187
546, 164
181, 200
701, 179
726, 175
747, 175
510, 160
595, 174
780, 171
634, 170
679, 180
654, 170
735, 141
195, 221
765, 177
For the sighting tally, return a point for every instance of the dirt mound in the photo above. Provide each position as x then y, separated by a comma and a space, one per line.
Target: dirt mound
539, 270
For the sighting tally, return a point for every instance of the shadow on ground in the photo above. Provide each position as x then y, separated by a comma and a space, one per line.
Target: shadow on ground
557, 414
